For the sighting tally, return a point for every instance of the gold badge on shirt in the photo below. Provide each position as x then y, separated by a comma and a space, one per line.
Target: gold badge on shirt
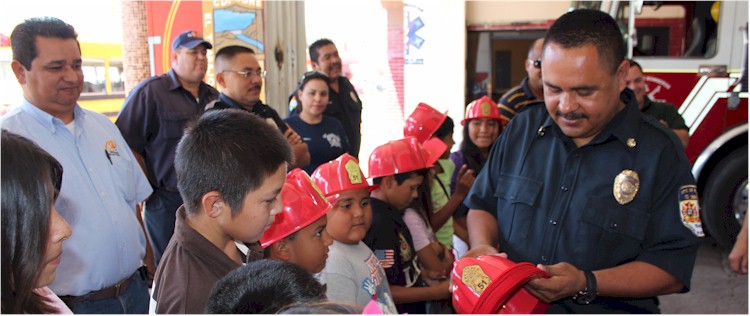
626, 186
475, 278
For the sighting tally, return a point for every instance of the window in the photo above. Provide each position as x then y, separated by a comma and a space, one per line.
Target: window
94, 77
686, 29
116, 76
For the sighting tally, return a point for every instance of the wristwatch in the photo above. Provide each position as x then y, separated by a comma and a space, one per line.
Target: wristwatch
588, 294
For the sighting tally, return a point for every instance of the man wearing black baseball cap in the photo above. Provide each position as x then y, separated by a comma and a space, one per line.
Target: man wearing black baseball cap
152, 120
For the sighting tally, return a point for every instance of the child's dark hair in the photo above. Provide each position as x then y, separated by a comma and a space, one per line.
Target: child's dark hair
445, 129
230, 151
423, 203
401, 177
472, 155
264, 287
267, 250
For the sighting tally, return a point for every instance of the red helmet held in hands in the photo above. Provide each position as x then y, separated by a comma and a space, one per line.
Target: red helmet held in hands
494, 285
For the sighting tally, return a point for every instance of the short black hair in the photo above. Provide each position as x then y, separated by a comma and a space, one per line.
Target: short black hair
315, 46
229, 52
445, 129
578, 28
230, 151
634, 63
401, 177
31, 179
263, 287
23, 37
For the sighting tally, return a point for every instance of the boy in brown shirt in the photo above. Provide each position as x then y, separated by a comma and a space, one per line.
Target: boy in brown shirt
231, 166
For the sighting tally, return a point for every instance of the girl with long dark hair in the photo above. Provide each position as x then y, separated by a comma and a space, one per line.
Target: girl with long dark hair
32, 230
482, 126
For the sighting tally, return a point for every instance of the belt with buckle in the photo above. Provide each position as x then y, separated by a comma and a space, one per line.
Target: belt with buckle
113, 291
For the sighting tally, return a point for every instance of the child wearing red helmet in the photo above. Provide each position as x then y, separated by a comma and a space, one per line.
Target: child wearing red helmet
353, 274
230, 191
399, 167
482, 126
298, 235
426, 123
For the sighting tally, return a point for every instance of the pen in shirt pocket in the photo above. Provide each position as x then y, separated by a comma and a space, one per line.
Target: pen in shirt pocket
106, 153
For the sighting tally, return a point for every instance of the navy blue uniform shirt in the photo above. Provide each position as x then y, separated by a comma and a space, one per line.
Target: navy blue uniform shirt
515, 100
325, 140
264, 111
555, 202
152, 120
344, 106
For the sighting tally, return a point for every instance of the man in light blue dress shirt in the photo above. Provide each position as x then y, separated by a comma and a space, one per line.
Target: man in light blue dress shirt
100, 270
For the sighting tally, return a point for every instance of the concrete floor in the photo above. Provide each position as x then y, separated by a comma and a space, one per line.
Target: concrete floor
715, 288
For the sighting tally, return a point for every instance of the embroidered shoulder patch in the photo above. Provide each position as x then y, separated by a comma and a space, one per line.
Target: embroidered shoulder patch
690, 210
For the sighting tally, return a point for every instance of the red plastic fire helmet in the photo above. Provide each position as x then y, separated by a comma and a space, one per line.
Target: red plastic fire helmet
396, 156
423, 122
483, 107
341, 174
433, 150
303, 204
494, 285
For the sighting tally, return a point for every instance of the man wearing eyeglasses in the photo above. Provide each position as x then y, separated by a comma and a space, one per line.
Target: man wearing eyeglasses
241, 79
530, 89
152, 119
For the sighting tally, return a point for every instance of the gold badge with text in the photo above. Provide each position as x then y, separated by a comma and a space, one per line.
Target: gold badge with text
626, 186
475, 278
352, 170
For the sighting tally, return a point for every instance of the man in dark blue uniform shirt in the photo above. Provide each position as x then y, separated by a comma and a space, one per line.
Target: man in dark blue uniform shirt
343, 101
151, 121
241, 79
588, 188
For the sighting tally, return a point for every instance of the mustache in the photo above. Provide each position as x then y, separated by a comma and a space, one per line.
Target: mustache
571, 115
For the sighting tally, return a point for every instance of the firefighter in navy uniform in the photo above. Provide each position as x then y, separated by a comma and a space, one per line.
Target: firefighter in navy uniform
597, 194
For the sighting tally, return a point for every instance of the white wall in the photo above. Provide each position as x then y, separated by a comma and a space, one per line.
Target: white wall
440, 79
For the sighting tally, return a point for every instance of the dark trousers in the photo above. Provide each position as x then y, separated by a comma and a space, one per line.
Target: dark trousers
159, 218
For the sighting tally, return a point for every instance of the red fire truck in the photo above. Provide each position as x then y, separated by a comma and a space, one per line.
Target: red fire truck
694, 54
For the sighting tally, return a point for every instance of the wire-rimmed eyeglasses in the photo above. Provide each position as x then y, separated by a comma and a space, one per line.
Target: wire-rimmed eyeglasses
246, 74
536, 62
